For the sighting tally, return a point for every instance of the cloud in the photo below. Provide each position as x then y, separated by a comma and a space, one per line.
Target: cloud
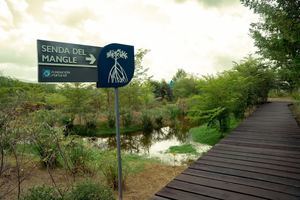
35, 8
223, 62
184, 35
213, 3
22, 72
17, 57
78, 17
18, 10
218, 3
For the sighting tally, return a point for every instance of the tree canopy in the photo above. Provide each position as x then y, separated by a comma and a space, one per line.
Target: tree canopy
277, 35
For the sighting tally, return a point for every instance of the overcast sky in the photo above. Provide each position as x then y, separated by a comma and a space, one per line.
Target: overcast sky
202, 37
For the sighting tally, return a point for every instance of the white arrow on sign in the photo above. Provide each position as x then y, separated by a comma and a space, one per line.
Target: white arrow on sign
92, 59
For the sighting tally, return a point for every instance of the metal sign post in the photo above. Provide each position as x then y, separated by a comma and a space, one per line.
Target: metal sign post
118, 138
115, 69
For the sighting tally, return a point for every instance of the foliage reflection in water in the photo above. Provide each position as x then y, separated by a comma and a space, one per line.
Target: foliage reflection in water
154, 144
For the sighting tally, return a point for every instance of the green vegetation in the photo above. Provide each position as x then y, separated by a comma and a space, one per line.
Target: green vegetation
44, 124
277, 37
296, 111
295, 107
205, 135
182, 149
230, 94
112, 132
90, 191
103, 131
210, 135
41, 192
137, 163
82, 191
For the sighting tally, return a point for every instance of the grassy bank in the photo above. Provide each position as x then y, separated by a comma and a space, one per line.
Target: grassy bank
182, 149
205, 135
210, 135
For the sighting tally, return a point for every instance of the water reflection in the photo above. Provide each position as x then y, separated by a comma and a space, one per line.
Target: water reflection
141, 142
153, 144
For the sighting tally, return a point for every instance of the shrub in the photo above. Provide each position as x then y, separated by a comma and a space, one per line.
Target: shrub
146, 123
77, 154
108, 165
83, 130
45, 135
158, 122
44, 143
91, 125
111, 120
90, 191
173, 111
127, 119
68, 125
296, 96
41, 192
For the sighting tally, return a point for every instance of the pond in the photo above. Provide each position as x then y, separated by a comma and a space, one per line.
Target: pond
154, 144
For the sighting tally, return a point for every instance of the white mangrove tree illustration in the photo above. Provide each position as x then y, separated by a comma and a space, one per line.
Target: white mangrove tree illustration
117, 73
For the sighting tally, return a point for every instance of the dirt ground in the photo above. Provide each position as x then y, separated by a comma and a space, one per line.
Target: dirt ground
140, 186
145, 184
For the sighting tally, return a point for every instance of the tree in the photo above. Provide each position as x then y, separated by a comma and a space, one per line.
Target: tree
77, 101
277, 35
136, 96
179, 75
138, 92
231, 93
185, 86
140, 72
260, 80
162, 90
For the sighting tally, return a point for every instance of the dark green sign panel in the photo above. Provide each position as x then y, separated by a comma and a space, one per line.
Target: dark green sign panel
66, 62
115, 66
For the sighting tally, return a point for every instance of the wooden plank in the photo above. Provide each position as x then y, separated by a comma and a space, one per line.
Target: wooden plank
246, 174
252, 169
259, 160
255, 160
181, 195
281, 160
262, 137
258, 150
261, 145
245, 181
208, 191
159, 198
294, 130
233, 187
265, 134
229, 160
288, 143
271, 130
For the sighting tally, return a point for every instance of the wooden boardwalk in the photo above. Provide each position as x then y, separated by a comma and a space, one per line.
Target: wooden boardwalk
259, 160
